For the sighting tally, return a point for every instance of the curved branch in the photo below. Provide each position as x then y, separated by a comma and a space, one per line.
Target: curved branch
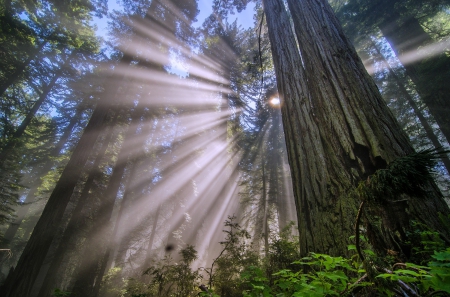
358, 218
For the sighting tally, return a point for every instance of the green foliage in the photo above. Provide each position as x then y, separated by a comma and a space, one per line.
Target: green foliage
112, 283
405, 175
210, 293
324, 275
255, 276
440, 271
282, 253
237, 254
165, 278
238, 271
425, 241
327, 276
434, 276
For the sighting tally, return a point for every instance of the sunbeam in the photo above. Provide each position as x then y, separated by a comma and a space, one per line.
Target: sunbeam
202, 148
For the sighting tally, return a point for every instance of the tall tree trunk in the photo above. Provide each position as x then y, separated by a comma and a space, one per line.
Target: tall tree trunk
431, 74
77, 221
37, 172
12, 141
286, 205
46, 228
88, 275
265, 206
121, 238
118, 243
148, 256
404, 92
134, 159
275, 167
338, 129
280, 181
19, 71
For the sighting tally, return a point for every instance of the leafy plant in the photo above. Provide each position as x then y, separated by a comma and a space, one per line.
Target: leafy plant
237, 254
435, 276
440, 271
327, 276
259, 283
166, 278
113, 284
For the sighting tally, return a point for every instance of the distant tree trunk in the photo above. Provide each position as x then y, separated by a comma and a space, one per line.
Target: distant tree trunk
18, 71
431, 74
131, 194
89, 274
276, 191
12, 141
37, 172
76, 223
338, 129
31, 260
286, 204
151, 240
116, 247
404, 92
275, 166
265, 206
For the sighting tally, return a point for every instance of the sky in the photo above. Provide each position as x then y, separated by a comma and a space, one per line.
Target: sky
244, 19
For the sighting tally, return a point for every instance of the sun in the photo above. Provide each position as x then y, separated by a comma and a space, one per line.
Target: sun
275, 101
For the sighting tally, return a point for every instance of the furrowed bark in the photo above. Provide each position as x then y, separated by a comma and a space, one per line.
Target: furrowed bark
338, 129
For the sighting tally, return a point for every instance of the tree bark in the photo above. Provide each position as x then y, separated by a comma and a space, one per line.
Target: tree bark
338, 129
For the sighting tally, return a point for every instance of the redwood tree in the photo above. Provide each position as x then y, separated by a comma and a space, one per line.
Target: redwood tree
338, 129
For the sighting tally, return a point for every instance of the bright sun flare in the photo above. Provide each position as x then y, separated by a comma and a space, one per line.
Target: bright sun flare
275, 101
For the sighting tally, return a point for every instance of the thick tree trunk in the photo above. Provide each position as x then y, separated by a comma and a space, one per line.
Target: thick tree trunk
30, 262
430, 75
338, 129
36, 249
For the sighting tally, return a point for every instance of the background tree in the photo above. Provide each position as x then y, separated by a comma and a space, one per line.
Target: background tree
424, 60
46, 52
381, 62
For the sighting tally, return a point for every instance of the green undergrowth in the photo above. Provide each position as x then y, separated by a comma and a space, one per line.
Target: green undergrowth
240, 271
